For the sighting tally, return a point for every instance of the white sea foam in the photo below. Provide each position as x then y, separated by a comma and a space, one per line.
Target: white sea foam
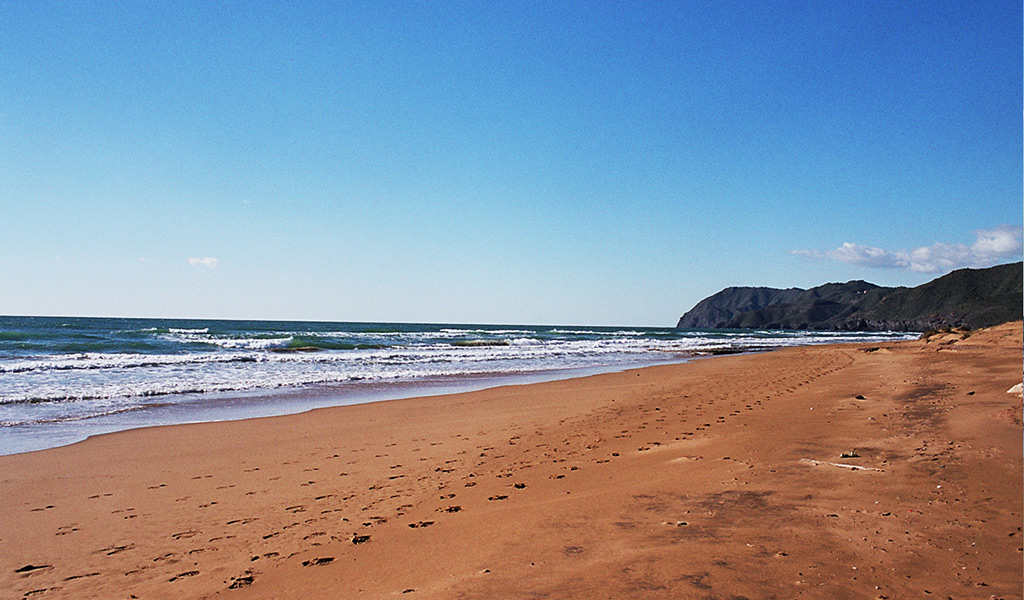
251, 343
620, 333
447, 331
192, 360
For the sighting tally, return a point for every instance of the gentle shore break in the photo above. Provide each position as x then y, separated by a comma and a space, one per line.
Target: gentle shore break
63, 379
884, 470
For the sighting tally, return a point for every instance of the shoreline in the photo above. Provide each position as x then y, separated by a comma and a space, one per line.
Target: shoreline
720, 477
220, 407
65, 379
223, 407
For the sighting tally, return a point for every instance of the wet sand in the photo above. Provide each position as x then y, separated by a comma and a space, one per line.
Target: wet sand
891, 470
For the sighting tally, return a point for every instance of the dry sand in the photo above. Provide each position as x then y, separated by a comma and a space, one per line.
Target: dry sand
728, 477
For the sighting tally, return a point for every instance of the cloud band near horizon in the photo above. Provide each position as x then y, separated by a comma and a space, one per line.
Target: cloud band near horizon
991, 246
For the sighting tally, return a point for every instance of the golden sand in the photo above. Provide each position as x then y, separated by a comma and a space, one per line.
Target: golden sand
846, 471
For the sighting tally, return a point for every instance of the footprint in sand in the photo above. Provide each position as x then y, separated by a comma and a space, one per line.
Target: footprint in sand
115, 549
184, 535
31, 568
242, 521
241, 581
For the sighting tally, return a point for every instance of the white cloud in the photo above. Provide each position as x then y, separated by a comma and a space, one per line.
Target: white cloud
991, 247
205, 261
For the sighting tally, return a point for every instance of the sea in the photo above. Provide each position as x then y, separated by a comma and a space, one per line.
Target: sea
63, 379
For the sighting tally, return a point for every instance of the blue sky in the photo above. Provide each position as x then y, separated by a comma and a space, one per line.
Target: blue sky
567, 163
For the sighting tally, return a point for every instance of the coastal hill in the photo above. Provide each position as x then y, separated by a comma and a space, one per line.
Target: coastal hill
969, 298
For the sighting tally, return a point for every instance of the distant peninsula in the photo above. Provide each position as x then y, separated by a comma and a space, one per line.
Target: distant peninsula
966, 298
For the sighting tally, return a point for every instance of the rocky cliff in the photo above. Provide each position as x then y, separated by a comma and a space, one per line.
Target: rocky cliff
969, 298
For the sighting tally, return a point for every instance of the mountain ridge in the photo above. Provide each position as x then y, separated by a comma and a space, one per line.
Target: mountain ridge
968, 298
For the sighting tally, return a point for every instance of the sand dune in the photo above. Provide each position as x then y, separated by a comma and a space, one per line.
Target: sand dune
848, 471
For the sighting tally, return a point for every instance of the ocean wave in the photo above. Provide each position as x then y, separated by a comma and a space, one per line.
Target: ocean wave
81, 395
619, 333
479, 343
250, 343
117, 361
257, 342
22, 336
487, 331
72, 418
136, 366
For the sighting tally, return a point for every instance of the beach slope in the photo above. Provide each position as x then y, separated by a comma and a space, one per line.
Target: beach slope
891, 470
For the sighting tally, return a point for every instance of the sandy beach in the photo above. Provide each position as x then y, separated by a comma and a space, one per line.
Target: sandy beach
890, 470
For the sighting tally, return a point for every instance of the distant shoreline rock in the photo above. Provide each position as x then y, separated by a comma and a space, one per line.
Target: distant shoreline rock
966, 298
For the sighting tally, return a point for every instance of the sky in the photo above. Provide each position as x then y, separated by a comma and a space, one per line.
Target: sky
601, 163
